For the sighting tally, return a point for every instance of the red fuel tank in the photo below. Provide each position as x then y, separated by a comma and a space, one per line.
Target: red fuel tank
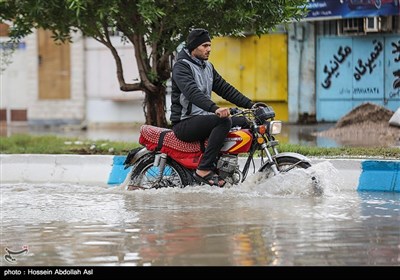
238, 141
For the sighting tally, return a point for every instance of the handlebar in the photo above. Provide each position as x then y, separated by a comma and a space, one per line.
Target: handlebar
259, 104
259, 112
236, 111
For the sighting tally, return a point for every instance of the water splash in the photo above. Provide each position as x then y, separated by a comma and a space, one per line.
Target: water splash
320, 179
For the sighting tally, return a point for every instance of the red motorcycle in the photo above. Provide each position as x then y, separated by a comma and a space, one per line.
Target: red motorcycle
165, 161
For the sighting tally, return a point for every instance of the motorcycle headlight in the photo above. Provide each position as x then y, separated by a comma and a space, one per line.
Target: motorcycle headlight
275, 127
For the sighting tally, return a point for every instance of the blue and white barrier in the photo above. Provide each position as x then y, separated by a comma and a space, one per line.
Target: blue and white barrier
362, 175
75, 169
118, 172
380, 176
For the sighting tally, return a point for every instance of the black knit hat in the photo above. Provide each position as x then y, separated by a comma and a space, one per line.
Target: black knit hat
196, 38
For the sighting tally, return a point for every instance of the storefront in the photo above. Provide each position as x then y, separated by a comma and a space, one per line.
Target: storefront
361, 62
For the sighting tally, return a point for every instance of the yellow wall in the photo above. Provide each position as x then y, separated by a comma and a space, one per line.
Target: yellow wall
255, 66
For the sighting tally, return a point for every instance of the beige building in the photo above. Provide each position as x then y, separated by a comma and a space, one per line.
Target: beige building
49, 84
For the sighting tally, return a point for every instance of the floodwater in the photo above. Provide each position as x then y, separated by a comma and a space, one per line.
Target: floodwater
279, 222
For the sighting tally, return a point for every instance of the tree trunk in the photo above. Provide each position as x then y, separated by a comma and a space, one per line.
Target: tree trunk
155, 107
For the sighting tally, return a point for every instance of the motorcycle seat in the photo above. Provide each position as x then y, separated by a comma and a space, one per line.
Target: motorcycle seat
150, 136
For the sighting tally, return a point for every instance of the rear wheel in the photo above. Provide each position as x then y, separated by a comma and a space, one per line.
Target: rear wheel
146, 176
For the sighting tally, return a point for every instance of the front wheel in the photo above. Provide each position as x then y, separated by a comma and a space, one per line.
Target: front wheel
146, 176
285, 164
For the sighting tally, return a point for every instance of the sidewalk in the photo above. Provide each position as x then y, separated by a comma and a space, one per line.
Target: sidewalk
361, 175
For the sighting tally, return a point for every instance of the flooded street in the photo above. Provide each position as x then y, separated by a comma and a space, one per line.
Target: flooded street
279, 222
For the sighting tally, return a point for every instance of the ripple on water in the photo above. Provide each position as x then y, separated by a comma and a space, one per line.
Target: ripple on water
279, 221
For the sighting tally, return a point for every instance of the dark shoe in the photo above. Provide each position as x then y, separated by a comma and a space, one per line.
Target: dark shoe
210, 179
134, 188
221, 181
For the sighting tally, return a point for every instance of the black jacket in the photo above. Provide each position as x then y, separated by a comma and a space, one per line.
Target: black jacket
192, 84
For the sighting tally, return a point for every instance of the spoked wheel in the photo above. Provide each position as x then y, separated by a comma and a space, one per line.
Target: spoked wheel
146, 176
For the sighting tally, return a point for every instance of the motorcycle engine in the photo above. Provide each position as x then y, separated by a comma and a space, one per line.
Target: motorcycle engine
228, 167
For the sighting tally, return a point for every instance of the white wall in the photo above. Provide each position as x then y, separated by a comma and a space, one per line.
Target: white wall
95, 95
14, 87
20, 86
60, 111
105, 102
301, 68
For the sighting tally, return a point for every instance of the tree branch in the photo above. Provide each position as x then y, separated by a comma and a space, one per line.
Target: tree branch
105, 39
140, 48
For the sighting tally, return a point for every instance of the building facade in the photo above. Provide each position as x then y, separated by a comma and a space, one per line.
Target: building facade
342, 54
69, 84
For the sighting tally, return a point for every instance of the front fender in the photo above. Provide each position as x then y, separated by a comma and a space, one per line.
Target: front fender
135, 155
293, 155
297, 156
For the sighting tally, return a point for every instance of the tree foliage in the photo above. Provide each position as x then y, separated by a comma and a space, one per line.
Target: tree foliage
154, 29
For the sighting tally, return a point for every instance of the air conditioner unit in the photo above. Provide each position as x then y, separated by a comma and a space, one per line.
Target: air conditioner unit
387, 23
351, 25
372, 24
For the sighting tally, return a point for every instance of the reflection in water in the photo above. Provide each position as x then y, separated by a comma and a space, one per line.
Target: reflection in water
260, 223
250, 248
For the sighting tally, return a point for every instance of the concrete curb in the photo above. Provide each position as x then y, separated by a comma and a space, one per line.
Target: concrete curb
364, 175
76, 169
